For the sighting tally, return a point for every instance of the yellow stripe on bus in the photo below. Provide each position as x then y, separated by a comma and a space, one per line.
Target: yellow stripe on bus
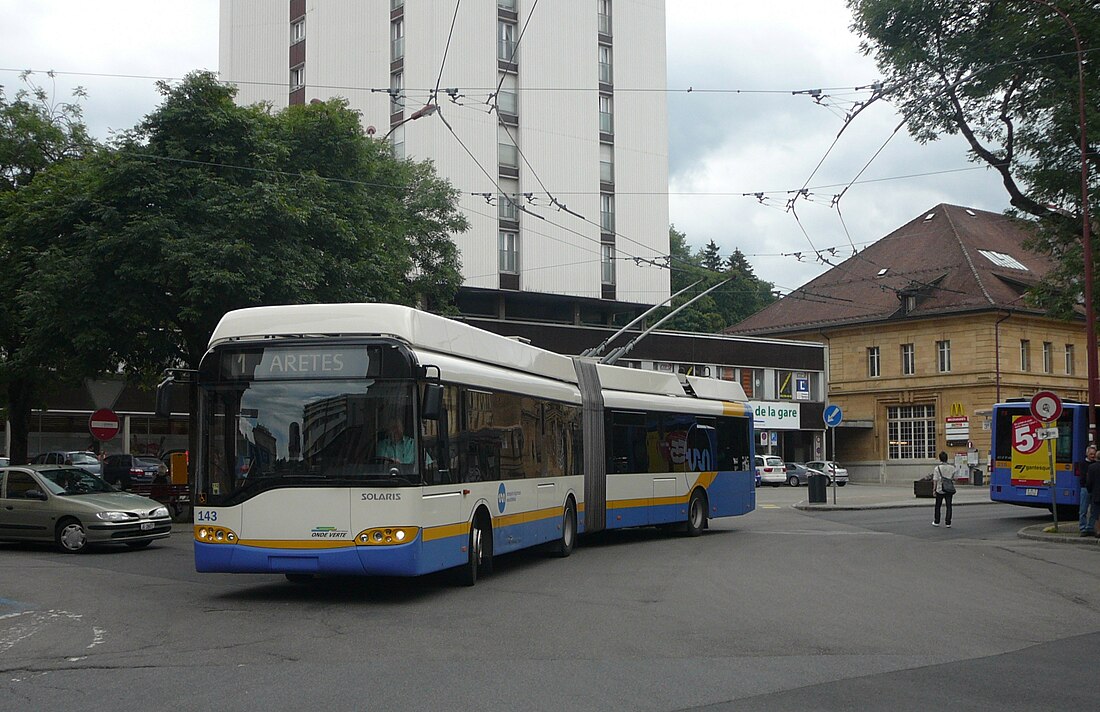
507, 520
704, 480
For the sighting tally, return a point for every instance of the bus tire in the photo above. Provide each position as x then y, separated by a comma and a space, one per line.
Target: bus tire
479, 550
299, 578
697, 513
564, 547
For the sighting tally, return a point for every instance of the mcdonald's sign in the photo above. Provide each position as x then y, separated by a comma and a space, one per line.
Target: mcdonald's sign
957, 425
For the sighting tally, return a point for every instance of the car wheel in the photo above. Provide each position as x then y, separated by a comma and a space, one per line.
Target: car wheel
139, 544
792, 481
697, 514
71, 537
841, 484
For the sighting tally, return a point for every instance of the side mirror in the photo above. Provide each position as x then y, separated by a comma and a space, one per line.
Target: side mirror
432, 405
35, 494
163, 407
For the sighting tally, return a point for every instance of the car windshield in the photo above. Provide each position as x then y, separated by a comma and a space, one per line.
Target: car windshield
772, 461
83, 458
73, 481
148, 461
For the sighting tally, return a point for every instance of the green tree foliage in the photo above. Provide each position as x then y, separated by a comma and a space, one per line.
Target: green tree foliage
1004, 75
745, 294
208, 206
38, 138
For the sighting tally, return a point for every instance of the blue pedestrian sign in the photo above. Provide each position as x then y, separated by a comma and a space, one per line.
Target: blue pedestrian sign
833, 415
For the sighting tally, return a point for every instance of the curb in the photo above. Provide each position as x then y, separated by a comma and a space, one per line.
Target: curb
1035, 533
807, 507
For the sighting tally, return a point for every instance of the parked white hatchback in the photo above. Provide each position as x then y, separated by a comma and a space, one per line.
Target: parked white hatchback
832, 469
771, 470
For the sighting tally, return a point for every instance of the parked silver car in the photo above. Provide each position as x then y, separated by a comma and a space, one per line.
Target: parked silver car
832, 469
799, 474
75, 509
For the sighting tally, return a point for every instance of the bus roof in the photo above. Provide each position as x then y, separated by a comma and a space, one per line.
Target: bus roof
434, 333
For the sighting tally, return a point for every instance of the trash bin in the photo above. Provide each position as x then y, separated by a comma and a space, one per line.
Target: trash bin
817, 485
977, 477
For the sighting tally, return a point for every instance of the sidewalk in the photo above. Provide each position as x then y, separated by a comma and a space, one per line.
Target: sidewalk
858, 496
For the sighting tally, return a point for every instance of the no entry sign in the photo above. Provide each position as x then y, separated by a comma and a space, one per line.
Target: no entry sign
103, 424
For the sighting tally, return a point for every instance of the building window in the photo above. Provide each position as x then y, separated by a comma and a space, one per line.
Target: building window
607, 164
507, 155
607, 119
603, 7
297, 31
943, 356
605, 64
397, 98
1071, 367
912, 432
607, 212
1048, 357
607, 264
508, 246
506, 41
908, 360
394, 4
397, 140
508, 200
873, 363
397, 40
507, 103
298, 77
1025, 355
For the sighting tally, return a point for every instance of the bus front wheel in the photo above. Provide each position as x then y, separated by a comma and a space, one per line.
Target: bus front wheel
479, 549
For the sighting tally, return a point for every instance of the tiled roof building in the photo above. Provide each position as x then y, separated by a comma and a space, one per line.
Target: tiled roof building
927, 328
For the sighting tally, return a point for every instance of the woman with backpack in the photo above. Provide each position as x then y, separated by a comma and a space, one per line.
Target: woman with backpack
943, 485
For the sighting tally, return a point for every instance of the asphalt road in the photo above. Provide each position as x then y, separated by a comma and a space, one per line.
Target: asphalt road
781, 609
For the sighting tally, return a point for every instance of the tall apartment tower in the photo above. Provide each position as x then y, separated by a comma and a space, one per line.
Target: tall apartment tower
558, 137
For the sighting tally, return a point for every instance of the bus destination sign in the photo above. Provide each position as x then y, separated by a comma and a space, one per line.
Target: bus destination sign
297, 362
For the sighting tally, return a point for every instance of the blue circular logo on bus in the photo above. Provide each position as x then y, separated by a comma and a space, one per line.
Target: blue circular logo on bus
502, 498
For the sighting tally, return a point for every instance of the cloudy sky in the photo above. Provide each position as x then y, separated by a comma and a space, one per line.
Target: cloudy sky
739, 131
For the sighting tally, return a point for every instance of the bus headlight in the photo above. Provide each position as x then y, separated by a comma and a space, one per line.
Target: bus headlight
215, 535
386, 536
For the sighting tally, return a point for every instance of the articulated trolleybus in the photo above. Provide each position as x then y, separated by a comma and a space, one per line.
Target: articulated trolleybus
1021, 465
375, 439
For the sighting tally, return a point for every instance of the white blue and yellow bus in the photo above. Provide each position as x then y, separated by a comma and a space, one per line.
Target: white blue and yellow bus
375, 439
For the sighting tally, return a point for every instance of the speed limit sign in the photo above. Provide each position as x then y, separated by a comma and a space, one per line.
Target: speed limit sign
1046, 406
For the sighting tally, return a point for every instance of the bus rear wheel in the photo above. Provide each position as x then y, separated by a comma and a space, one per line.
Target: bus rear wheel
564, 547
697, 514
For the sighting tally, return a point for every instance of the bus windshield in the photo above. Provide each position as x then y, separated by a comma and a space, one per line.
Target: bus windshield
285, 433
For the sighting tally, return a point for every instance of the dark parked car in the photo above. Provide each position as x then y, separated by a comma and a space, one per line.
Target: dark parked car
124, 470
80, 458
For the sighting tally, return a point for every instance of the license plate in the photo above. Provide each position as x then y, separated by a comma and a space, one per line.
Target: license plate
146, 526
1031, 492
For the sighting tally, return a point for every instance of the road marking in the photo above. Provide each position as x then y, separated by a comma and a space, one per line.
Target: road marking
770, 506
